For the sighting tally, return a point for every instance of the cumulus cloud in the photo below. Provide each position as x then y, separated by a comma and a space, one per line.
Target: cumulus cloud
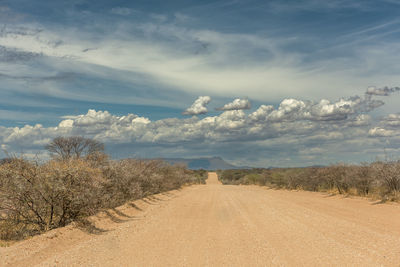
261, 113
380, 132
324, 110
291, 118
385, 91
198, 107
289, 109
294, 123
236, 104
360, 120
392, 120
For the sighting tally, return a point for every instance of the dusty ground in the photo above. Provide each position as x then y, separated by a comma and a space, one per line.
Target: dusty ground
215, 225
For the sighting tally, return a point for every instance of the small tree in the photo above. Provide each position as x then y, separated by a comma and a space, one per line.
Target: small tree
73, 147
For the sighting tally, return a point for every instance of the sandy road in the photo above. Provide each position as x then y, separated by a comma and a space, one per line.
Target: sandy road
216, 225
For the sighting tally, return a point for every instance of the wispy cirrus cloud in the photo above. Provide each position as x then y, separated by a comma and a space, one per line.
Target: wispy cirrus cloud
203, 64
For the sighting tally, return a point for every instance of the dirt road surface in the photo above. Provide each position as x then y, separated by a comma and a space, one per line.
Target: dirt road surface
216, 225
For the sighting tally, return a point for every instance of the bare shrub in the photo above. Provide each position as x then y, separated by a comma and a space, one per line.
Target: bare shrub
375, 179
252, 178
73, 147
362, 179
198, 176
42, 197
131, 179
79, 181
388, 174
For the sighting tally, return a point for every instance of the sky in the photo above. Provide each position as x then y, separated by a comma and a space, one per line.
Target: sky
259, 83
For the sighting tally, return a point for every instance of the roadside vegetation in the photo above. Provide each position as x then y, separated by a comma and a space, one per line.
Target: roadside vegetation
378, 180
79, 180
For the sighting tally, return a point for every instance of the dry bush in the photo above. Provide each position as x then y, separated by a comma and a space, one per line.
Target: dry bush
79, 181
198, 176
336, 176
121, 182
388, 175
376, 179
132, 179
36, 198
362, 179
41, 197
65, 148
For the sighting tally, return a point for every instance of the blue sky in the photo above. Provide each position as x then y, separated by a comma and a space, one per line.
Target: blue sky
289, 78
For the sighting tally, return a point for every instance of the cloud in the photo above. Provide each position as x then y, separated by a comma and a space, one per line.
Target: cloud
122, 11
292, 118
361, 120
392, 120
284, 132
315, 123
288, 110
207, 61
261, 113
158, 17
198, 107
236, 104
385, 91
380, 132
293, 109
11, 55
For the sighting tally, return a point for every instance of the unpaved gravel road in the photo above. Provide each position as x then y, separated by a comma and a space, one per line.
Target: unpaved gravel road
216, 225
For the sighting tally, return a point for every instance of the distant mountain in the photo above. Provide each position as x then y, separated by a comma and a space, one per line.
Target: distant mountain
214, 163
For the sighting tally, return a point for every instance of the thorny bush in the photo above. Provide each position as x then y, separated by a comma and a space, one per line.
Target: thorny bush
376, 180
37, 197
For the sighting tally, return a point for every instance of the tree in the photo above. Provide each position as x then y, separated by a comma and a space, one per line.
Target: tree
73, 147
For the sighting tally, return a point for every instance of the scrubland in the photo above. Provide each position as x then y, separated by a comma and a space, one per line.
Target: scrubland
224, 225
37, 197
378, 180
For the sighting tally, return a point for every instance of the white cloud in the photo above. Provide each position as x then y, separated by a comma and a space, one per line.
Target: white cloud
324, 110
289, 109
392, 120
380, 132
66, 123
361, 120
198, 107
4, 147
285, 131
261, 113
224, 134
197, 61
312, 121
237, 104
